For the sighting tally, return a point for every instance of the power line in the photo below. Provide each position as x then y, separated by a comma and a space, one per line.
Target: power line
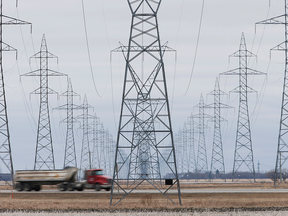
88, 50
196, 50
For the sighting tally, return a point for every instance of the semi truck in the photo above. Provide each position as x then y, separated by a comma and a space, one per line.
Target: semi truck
65, 179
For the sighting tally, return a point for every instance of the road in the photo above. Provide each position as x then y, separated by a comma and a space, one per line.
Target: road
196, 191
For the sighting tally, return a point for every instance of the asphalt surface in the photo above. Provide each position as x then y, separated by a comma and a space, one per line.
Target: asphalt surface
196, 191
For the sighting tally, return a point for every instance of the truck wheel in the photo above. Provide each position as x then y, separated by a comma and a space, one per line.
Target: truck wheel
70, 187
97, 187
80, 189
37, 187
63, 187
27, 187
19, 187
107, 189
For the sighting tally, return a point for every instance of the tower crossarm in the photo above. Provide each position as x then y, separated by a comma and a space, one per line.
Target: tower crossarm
40, 91
49, 73
66, 106
220, 105
242, 53
137, 49
45, 54
280, 47
6, 20
275, 20
7, 47
240, 90
239, 71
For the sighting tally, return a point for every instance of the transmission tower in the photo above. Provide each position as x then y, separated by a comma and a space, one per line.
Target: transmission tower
179, 150
107, 148
145, 131
5, 146
102, 139
282, 148
44, 156
191, 143
85, 162
202, 164
184, 156
243, 155
217, 162
70, 153
95, 153
111, 154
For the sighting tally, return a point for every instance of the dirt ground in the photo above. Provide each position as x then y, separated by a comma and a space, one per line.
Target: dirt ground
101, 201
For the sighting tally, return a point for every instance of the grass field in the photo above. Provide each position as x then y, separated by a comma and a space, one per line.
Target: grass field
85, 202
242, 213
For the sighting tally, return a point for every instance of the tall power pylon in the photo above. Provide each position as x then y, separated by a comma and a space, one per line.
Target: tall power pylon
145, 130
202, 163
44, 155
243, 155
192, 166
107, 148
70, 152
102, 138
111, 157
95, 141
184, 156
85, 161
179, 150
217, 161
282, 147
5, 145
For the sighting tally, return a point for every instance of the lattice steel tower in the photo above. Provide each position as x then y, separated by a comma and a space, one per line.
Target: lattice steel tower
145, 131
184, 156
178, 140
85, 162
282, 148
112, 145
243, 155
217, 162
5, 146
44, 155
202, 163
102, 146
95, 153
70, 153
192, 166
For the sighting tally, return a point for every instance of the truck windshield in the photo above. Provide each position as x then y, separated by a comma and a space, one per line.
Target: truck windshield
98, 172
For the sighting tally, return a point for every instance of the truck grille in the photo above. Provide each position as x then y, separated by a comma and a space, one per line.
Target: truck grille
109, 181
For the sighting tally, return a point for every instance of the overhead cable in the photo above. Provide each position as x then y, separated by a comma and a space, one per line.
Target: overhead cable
88, 50
196, 50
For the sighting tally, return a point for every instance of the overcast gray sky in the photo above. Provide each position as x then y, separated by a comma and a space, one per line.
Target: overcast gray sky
108, 22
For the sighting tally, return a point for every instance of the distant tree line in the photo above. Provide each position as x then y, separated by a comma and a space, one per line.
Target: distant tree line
5, 177
209, 175
271, 175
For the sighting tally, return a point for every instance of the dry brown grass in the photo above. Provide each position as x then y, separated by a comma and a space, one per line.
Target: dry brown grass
88, 201
192, 184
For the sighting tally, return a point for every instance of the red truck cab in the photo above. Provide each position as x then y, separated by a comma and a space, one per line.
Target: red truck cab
97, 179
